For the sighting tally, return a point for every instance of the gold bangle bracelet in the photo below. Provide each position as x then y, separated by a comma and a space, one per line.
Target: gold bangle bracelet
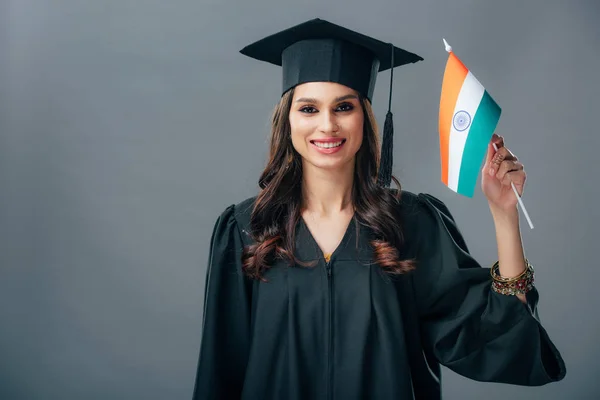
495, 272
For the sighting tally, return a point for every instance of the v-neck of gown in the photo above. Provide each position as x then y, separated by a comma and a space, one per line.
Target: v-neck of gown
340, 246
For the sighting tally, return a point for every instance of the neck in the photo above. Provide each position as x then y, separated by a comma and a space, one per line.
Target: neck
327, 192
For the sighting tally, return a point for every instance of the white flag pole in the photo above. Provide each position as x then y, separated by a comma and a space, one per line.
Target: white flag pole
518, 198
447, 46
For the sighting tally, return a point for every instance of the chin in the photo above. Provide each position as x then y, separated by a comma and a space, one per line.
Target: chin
330, 164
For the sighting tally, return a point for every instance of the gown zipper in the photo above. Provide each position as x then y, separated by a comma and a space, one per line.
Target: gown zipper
330, 339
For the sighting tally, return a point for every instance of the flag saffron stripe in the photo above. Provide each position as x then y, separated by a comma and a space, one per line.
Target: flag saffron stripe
454, 76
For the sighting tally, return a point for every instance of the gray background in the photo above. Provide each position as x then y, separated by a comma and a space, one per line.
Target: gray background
127, 126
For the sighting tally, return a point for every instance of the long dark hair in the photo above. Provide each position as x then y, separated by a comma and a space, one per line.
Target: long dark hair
277, 208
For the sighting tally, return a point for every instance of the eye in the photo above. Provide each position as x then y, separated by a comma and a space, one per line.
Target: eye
345, 107
308, 110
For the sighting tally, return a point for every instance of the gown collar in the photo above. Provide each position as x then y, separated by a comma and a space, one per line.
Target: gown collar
353, 246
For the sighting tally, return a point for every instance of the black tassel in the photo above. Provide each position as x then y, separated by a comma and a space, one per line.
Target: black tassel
387, 152
387, 143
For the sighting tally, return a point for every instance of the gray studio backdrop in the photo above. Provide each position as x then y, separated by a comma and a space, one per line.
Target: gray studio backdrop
127, 126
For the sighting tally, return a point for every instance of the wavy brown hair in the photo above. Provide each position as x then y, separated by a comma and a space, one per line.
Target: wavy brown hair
277, 208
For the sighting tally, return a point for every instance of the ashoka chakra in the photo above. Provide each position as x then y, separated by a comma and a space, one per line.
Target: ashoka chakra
461, 120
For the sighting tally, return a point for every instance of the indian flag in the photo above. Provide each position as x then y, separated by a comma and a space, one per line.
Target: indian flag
468, 118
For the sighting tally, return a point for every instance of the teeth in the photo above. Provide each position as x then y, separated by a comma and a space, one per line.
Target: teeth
328, 145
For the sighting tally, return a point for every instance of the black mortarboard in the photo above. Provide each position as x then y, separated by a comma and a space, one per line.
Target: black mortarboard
319, 51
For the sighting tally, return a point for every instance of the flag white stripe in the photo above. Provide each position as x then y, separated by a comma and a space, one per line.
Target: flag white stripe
468, 100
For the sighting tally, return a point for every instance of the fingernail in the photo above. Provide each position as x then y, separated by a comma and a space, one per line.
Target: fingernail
491, 171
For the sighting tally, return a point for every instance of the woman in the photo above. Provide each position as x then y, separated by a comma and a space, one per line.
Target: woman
328, 284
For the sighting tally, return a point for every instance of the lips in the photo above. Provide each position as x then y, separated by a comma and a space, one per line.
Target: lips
328, 146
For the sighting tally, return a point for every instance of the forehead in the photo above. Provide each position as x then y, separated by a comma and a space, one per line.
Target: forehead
323, 91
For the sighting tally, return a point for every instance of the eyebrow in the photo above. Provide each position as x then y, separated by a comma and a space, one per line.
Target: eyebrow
338, 99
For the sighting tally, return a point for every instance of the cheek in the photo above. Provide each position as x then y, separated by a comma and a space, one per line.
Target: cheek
357, 131
357, 142
301, 128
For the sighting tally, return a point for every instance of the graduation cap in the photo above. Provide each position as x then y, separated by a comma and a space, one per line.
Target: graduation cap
320, 51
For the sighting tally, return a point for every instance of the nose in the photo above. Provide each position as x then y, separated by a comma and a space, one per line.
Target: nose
328, 123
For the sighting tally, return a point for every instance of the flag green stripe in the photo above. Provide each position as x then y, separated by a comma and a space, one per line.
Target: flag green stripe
481, 131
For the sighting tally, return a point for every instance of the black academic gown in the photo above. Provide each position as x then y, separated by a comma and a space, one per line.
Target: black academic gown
345, 330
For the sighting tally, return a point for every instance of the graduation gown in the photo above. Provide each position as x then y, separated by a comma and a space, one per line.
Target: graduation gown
345, 330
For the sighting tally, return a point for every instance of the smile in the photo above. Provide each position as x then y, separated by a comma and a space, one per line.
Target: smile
328, 146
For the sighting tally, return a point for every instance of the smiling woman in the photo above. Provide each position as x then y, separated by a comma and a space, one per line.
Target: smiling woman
330, 285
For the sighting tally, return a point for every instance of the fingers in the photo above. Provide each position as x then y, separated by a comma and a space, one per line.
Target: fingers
504, 165
503, 154
491, 151
517, 178
508, 166
498, 140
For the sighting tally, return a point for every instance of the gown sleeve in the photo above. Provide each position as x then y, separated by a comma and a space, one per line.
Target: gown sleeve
468, 327
225, 327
